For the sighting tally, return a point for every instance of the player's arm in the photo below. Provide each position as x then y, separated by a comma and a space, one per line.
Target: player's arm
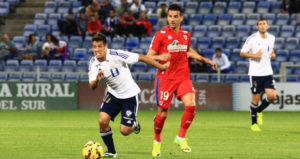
248, 55
163, 57
193, 54
273, 55
151, 61
94, 81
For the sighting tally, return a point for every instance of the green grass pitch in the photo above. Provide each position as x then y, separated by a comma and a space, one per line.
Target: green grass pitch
213, 135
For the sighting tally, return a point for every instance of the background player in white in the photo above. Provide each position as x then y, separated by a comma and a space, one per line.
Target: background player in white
111, 65
259, 49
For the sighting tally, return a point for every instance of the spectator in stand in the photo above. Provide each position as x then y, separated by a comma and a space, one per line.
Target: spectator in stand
111, 25
136, 8
144, 25
104, 12
127, 24
47, 46
94, 26
197, 66
7, 48
124, 7
93, 9
82, 23
33, 48
162, 14
221, 60
85, 3
295, 9
68, 27
60, 50
285, 6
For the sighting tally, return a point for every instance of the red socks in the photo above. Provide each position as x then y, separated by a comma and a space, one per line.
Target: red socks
158, 126
186, 120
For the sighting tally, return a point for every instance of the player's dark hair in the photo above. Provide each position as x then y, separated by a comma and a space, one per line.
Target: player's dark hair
99, 37
261, 19
218, 49
175, 7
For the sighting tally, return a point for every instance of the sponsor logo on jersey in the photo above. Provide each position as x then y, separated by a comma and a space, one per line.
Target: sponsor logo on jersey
185, 37
174, 47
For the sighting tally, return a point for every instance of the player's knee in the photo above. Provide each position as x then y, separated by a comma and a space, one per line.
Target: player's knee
103, 123
272, 97
125, 132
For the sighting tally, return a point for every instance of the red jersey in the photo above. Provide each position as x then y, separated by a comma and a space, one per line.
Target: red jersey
177, 44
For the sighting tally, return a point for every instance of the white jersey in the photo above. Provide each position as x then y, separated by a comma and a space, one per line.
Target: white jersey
117, 75
254, 43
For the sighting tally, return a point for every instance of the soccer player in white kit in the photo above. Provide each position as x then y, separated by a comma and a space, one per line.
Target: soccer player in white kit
259, 49
122, 91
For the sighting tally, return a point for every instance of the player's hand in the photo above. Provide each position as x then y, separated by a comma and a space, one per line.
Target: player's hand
165, 57
258, 55
213, 65
100, 75
165, 66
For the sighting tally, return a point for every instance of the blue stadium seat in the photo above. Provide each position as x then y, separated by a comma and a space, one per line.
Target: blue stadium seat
279, 43
209, 19
15, 77
228, 31
297, 33
192, 77
238, 19
282, 19
193, 42
263, 7
42, 64
218, 42
292, 79
80, 54
232, 43
42, 30
214, 78
152, 69
55, 30
72, 77
252, 18
57, 77
68, 66
29, 29
76, 4
275, 66
248, 7
191, 7
213, 30
244, 79
208, 53
271, 18
242, 67
234, 7
291, 43
275, 6
53, 18
224, 19
180, 3
152, 18
204, 42
205, 7
29, 77
3, 77
199, 31
295, 55
145, 77
118, 43
274, 30
26, 66
150, 6
83, 77
40, 19
54, 66
145, 42
50, 7
287, 31
232, 79
139, 67
282, 55
87, 43
242, 30
75, 41
202, 78
132, 43
188, 28
11, 65
44, 77
219, 7
235, 56
19, 42
196, 19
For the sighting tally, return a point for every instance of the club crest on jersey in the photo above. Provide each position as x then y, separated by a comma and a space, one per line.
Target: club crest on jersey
128, 113
161, 102
174, 47
169, 37
185, 37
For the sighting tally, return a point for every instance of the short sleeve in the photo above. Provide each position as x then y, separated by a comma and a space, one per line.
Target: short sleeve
247, 45
93, 72
124, 56
189, 40
156, 42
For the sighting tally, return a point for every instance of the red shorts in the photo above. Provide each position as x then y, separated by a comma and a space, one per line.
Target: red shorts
165, 88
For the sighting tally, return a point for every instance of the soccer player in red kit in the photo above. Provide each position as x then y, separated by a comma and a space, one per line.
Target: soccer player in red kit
173, 44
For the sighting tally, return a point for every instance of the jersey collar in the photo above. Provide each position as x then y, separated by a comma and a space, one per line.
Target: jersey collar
170, 30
